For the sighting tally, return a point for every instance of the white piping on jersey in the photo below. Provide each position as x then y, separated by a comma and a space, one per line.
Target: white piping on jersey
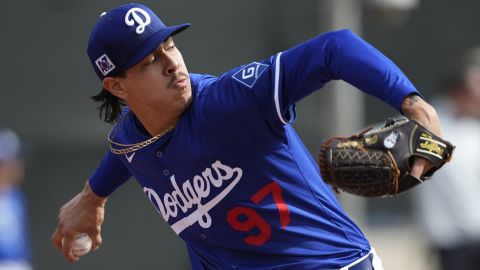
291, 113
376, 261
276, 94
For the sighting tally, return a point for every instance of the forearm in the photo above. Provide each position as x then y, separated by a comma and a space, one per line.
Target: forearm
84, 212
91, 196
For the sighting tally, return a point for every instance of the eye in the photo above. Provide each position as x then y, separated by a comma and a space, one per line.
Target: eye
149, 60
171, 46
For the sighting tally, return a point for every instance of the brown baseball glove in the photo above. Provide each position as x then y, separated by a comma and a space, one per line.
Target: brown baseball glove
377, 163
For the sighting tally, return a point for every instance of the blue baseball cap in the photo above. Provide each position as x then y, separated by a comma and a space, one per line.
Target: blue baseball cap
125, 35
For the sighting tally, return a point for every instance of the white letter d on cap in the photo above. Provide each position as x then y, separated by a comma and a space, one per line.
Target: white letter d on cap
135, 18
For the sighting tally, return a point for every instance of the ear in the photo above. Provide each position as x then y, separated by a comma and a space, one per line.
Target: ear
114, 86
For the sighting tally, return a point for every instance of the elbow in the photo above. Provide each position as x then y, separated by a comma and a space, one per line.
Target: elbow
334, 41
341, 34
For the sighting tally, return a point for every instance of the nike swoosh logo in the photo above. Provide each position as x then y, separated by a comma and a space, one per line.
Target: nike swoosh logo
130, 158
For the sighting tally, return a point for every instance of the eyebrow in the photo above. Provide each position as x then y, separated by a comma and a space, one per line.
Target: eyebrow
160, 45
169, 39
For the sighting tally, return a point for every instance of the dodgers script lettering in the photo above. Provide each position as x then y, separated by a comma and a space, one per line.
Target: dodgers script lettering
192, 192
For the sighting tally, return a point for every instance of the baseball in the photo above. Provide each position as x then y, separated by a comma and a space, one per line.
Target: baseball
81, 245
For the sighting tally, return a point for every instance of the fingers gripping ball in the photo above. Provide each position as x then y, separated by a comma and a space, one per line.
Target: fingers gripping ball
377, 163
81, 245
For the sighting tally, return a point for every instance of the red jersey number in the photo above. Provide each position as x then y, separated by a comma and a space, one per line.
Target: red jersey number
244, 219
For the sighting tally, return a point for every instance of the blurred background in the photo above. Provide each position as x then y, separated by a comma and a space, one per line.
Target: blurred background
47, 82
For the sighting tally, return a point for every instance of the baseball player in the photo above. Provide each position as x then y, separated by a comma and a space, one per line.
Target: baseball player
14, 238
218, 157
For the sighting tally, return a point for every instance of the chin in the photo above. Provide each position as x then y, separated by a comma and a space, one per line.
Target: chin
187, 94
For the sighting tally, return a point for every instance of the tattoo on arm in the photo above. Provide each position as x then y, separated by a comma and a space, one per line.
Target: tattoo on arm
410, 104
412, 99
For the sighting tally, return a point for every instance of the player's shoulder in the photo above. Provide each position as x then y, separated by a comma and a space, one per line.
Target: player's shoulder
201, 81
247, 76
127, 127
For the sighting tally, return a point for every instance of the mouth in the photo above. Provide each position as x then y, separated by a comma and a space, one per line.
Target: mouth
180, 83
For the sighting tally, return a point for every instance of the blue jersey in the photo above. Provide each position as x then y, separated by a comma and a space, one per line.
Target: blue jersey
234, 180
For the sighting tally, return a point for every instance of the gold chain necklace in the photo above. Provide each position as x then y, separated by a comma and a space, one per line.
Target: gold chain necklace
136, 146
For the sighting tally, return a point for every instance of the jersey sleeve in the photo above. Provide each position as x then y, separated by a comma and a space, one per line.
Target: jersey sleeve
275, 84
110, 174
339, 55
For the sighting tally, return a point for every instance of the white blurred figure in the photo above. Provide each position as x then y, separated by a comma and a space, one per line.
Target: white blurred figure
14, 244
449, 205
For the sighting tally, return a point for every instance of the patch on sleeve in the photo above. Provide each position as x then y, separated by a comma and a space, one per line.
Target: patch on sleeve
249, 74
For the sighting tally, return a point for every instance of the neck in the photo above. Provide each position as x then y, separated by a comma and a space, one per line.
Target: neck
155, 121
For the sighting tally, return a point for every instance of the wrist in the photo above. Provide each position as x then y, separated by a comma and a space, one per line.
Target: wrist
415, 108
92, 197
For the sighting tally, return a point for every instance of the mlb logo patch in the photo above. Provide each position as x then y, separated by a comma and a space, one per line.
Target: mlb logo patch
104, 64
249, 74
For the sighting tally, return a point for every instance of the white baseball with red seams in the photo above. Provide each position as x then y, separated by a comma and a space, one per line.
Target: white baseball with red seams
81, 245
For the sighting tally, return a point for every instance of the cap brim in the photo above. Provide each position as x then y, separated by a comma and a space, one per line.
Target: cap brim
150, 44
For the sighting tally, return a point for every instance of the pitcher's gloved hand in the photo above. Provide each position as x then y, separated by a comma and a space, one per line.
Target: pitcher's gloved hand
377, 163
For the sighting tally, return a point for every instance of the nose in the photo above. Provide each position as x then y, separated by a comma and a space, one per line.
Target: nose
171, 64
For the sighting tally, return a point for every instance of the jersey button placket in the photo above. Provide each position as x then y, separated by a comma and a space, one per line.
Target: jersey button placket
159, 154
166, 172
